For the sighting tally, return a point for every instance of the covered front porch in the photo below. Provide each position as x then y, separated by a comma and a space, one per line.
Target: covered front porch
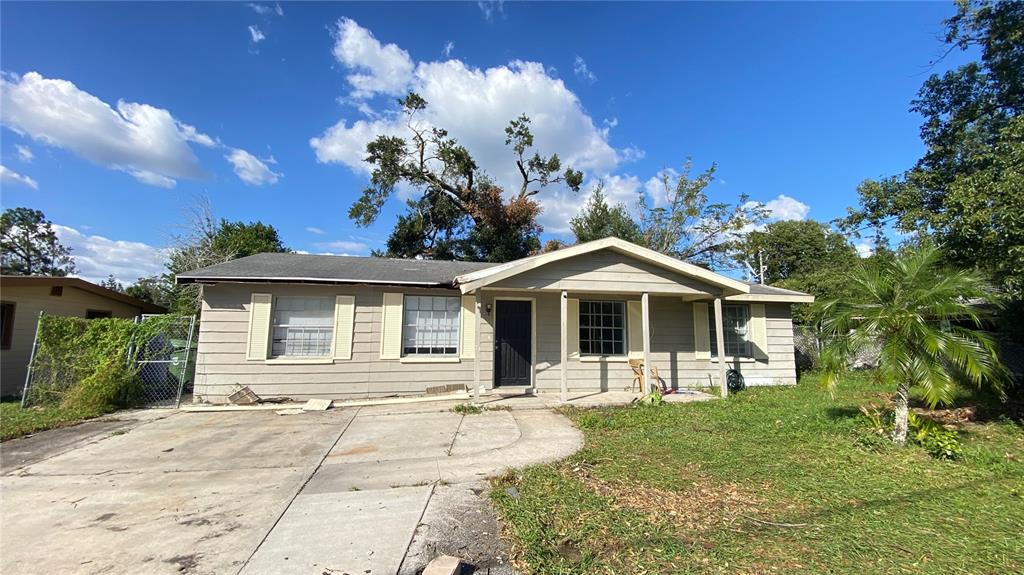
594, 347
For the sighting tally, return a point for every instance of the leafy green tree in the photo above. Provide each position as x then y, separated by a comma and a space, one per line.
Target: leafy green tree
597, 220
208, 241
801, 255
793, 248
965, 190
691, 227
925, 319
29, 246
111, 283
153, 289
474, 220
240, 239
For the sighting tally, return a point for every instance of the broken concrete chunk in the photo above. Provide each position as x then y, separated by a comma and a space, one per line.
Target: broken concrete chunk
317, 405
293, 411
444, 565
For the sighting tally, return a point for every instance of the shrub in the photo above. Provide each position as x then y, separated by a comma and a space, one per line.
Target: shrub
89, 364
938, 441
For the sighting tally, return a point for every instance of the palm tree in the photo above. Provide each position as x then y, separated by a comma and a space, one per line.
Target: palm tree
923, 319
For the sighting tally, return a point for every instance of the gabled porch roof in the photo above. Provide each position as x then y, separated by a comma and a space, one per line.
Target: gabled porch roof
472, 281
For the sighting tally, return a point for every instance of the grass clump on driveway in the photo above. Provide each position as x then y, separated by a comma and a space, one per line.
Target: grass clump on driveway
771, 480
16, 421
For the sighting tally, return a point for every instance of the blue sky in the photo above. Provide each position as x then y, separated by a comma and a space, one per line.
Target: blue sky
116, 117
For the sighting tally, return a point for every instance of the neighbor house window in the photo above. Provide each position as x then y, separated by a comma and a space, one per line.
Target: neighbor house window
735, 324
430, 325
303, 326
6, 324
602, 327
97, 314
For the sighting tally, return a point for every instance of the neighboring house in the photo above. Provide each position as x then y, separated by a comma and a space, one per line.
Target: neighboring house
23, 297
339, 327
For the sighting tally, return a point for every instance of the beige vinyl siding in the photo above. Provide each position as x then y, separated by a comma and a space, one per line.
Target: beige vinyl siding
606, 271
221, 363
28, 301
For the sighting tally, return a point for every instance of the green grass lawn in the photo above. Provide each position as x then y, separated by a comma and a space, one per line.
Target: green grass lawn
774, 480
16, 421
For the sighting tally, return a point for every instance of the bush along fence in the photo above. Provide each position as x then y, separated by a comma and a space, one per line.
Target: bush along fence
105, 364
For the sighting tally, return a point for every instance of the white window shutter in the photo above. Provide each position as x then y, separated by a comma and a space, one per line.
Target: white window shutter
344, 319
635, 321
391, 326
701, 331
573, 327
758, 331
467, 328
260, 308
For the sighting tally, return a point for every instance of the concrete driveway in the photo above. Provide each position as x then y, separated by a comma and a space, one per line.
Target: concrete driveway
358, 490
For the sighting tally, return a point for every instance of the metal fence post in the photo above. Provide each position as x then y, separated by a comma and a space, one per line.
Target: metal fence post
188, 353
31, 359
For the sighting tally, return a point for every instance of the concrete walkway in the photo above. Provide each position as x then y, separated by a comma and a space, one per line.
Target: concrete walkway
342, 491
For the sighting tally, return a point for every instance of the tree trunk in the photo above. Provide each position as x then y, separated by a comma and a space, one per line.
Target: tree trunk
899, 432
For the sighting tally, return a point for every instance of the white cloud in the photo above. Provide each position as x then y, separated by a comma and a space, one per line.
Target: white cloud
343, 248
264, 10
134, 137
655, 187
152, 179
474, 105
141, 140
865, 249
256, 34
251, 169
380, 68
449, 47
25, 154
786, 208
97, 257
582, 71
10, 177
316, 231
490, 8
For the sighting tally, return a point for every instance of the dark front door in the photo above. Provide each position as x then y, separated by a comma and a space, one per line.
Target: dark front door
512, 342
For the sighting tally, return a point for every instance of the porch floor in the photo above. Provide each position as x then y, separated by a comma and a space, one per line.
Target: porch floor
545, 399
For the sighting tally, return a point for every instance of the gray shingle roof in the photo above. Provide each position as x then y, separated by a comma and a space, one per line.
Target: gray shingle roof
333, 269
760, 289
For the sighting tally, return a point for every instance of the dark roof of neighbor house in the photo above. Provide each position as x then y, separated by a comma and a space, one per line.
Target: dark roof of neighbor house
29, 281
308, 268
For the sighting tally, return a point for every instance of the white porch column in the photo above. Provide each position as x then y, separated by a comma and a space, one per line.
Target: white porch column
565, 347
646, 315
720, 341
477, 358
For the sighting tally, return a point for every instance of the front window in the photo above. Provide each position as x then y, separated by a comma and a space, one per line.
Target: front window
602, 327
303, 326
735, 325
430, 325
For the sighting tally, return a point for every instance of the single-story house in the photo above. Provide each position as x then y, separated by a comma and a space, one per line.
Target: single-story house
338, 327
22, 298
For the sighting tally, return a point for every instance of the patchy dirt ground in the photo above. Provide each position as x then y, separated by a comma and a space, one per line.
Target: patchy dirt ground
460, 521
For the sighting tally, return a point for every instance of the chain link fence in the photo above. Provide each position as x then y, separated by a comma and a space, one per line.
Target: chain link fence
162, 365
166, 363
